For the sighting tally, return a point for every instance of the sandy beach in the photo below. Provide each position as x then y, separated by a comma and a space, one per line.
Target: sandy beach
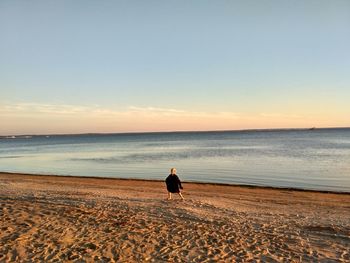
70, 219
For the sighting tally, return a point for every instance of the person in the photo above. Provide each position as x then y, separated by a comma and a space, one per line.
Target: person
173, 184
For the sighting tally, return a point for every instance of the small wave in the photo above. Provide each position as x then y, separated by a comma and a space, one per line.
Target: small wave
11, 157
171, 156
17, 137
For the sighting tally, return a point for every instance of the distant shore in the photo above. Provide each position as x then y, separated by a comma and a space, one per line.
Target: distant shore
63, 218
27, 136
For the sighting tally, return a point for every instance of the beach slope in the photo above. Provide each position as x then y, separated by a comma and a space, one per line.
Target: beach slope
52, 218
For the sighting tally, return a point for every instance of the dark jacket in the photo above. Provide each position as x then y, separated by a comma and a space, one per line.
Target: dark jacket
173, 183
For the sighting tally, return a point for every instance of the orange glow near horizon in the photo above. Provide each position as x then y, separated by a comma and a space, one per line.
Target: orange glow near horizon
65, 119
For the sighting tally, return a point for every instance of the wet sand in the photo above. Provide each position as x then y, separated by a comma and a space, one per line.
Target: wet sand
55, 219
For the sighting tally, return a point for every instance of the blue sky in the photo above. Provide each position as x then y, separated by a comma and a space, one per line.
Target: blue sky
262, 64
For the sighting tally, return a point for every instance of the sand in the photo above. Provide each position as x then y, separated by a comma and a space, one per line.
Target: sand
70, 219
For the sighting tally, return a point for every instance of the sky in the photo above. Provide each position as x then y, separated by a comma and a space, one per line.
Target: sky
136, 66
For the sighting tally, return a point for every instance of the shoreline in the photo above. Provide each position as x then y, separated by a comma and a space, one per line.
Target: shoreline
185, 182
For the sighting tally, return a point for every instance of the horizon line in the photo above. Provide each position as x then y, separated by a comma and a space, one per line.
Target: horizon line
175, 131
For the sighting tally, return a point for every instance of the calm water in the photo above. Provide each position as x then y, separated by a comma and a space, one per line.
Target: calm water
318, 159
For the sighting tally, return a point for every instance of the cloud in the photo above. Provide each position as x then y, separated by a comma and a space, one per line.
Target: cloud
96, 110
42, 118
154, 109
18, 108
33, 118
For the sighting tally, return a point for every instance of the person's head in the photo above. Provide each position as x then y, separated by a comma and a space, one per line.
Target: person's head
172, 171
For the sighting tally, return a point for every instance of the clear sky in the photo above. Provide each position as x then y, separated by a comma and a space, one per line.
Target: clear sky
119, 66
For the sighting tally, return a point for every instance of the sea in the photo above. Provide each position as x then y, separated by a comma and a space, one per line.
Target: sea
315, 159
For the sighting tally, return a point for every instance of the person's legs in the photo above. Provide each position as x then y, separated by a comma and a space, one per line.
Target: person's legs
181, 196
169, 196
